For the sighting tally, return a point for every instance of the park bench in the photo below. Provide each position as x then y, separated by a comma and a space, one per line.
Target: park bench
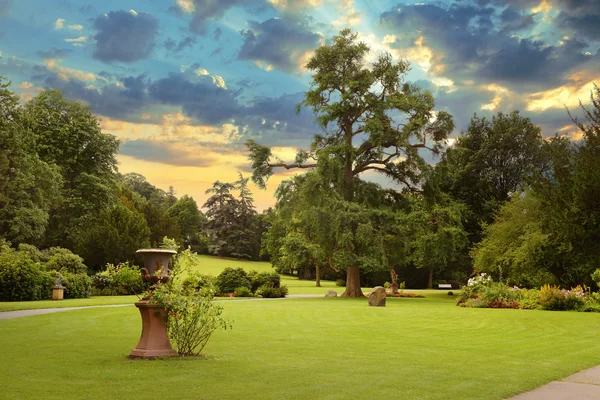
444, 286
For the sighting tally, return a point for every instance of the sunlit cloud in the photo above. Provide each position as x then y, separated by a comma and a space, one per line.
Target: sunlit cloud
560, 97
66, 73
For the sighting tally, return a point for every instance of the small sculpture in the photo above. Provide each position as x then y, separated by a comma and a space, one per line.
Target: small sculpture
394, 285
58, 281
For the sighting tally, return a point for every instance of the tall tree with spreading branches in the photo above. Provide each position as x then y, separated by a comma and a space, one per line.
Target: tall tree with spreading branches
372, 121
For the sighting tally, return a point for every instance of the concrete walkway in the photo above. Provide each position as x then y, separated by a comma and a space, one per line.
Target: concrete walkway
40, 311
584, 385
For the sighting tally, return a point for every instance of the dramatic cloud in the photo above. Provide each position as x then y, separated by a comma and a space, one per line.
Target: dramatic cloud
278, 43
125, 36
467, 45
581, 17
204, 11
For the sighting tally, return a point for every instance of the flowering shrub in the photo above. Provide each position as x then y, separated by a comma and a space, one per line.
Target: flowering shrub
484, 292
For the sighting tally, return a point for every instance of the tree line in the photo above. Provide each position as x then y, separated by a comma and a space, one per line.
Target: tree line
60, 187
501, 200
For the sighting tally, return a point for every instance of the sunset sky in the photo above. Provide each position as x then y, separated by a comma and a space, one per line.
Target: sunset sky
183, 83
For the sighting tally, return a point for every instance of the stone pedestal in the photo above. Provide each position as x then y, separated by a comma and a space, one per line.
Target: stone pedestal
154, 341
58, 293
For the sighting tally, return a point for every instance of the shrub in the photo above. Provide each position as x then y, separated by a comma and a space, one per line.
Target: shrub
258, 279
554, 299
192, 316
340, 282
77, 286
596, 276
199, 281
529, 299
21, 278
115, 280
231, 279
242, 292
268, 291
63, 260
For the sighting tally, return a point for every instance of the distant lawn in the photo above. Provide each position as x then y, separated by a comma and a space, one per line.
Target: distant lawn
304, 349
211, 265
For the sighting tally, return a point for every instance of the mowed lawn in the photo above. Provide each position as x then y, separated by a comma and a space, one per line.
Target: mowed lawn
325, 348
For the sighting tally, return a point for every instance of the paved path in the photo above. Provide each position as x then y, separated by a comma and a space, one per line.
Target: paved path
584, 385
27, 313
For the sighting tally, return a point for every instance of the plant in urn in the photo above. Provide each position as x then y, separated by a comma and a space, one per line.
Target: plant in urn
154, 341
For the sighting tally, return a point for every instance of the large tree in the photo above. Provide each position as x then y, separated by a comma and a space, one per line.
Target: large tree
67, 134
28, 186
372, 121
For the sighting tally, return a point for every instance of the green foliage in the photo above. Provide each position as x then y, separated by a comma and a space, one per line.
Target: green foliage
118, 280
113, 237
29, 185
372, 121
189, 219
596, 276
514, 246
554, 299
269, 291
77, 286
63, 260
258, 279
192, 316
231, 279
198, 281
21, 278
243, 292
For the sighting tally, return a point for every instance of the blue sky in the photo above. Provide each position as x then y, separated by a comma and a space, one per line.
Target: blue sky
183, 83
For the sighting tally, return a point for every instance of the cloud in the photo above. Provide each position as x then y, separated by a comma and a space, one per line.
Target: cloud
172, 45
125, 36
204, 11
75, 27
78, 41
467, 44
582, 17
5, 6
166, 152
54, 53
59, 23
278, 43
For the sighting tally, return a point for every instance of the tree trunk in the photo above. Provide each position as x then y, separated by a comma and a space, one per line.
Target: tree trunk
430, 281
318, 275
353, 283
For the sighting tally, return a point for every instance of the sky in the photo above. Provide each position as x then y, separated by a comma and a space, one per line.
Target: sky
184, 83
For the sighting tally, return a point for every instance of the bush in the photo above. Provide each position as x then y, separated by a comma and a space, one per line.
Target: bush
554, 299
77, 286
21, 278
121, 279
340, 282
231, 279
192, 316
242, 292
59, 259
198, 281
258, 279
529, 299
268, 291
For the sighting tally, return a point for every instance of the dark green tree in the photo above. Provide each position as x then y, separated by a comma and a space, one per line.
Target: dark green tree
372, 121
28, 186
190, 220
67, 134
221, 211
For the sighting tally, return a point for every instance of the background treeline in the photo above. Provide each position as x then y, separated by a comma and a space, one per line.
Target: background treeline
501, 200
60, 188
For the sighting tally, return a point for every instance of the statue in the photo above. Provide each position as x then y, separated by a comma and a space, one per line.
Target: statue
394, 285
58, 281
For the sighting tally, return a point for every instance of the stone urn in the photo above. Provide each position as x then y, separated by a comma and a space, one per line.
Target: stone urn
154, 341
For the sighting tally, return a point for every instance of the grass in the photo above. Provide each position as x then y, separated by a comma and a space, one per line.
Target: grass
304, 349
92, 301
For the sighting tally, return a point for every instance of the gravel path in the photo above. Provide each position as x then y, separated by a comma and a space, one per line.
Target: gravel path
27, 313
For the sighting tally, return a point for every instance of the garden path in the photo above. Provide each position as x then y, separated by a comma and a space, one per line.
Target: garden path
583, 385
40, 311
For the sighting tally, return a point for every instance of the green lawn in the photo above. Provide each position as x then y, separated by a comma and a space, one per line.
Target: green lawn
92, 301
304, 349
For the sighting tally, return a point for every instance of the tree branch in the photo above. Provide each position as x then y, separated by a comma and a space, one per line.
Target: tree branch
291, 166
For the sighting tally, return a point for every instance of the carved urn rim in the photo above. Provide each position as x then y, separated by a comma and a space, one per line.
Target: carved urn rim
168, 251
